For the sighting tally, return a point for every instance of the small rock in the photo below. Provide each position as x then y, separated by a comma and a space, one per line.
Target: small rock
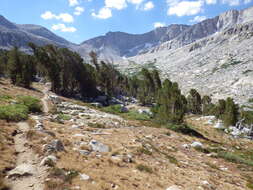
84, 177
197, 145
48, 158
219, 125
186, 146
98, 147
173, 187
55, 146
84, 152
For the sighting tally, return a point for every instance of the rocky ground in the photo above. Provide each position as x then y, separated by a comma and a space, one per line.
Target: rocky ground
82, 147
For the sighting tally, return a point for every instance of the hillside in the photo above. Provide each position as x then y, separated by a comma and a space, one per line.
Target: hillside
113, 151
219, 65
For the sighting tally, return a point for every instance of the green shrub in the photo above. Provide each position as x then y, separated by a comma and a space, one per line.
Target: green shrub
114, 109
14, 112
134, 115
64, 117
5, 97
248, 116
235, 158
33, 104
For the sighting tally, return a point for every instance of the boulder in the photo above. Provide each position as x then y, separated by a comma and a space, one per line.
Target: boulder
219, 125
197, 145
22, 170
98, 146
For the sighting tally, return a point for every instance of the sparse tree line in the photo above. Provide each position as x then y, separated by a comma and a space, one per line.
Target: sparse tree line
70, 76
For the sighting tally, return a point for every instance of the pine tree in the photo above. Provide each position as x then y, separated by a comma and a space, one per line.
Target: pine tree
194, 102
231, 113
14, 66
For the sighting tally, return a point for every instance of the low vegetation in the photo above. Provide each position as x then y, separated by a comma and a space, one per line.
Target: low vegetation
33, 104
14, 112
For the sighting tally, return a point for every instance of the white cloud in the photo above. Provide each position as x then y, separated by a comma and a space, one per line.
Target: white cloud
185, 8
159, 24
103, 13
136, 2
78, 10
211, 2
48, 15
148, 6
198, 19
73, 3
116, 4
65, 17
231, 2
63, 28
247, 1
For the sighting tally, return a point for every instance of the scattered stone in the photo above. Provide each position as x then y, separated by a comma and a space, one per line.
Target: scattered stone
84, 177
186, 146
22, 170
47, 159
127, 158
78, 135
97, 104
98, 147
54, 146
219, 125
173, 187
197, 145
84, 152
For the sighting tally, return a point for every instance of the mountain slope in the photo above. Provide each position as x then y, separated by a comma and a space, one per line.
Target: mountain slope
127, 45
220, 64
20, 35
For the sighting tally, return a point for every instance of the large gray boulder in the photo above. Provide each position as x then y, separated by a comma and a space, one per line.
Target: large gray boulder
22, 170
98, 146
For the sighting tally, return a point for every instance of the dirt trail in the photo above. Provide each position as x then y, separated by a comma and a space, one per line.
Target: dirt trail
45, 98
28, 159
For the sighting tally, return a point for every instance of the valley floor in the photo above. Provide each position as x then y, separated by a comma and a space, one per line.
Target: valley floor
90, 149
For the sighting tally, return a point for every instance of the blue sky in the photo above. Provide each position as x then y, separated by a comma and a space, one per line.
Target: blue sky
79, 20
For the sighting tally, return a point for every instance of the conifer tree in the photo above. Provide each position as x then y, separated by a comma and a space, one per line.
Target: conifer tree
194, 102
231, 113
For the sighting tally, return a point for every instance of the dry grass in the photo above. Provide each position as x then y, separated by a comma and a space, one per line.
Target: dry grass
7, 150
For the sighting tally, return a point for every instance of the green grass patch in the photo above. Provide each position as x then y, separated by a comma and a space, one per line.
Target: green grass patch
235, 158
134, 115
144, 168
33, 104
250, 185
114, 109
14, 112
131, 114
5, 98
64, 117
